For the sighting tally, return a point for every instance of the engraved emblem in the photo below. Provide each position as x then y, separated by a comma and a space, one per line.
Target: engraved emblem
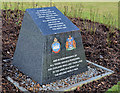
70, 43
55, 46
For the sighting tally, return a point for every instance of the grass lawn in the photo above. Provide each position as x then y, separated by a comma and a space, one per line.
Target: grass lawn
102, 12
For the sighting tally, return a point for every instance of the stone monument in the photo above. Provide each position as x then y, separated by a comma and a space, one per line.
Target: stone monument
49, 46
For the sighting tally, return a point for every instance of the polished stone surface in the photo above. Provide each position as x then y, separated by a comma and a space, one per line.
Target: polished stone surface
35, 54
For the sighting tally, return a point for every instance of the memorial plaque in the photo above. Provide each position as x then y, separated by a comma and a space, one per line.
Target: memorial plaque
49, 46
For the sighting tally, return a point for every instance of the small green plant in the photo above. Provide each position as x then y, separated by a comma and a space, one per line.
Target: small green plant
92, 19
75, 12
80, 10
71, 11
10, 4
114, 89
33, 3
22, 6
66, 10
108, 39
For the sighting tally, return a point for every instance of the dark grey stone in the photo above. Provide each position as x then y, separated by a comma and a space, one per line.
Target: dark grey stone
33, 55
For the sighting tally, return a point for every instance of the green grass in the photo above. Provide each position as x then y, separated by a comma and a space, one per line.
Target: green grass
101, 12
114, 89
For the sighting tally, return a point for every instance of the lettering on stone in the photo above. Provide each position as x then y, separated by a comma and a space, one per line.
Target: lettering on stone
49, 46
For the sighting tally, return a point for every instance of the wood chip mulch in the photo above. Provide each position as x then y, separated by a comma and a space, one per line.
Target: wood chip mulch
97, 49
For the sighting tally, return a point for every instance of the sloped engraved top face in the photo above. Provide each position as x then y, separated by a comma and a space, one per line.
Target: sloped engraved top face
50, 20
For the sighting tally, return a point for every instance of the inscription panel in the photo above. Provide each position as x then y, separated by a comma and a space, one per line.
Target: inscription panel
65, 65
65, 62
50, 20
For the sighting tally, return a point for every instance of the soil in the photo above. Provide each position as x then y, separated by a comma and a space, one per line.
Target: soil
99, 48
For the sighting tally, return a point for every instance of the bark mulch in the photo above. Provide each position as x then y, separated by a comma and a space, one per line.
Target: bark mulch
96, 45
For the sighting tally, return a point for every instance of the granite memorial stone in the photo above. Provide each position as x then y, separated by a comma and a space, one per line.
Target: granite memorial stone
49, 46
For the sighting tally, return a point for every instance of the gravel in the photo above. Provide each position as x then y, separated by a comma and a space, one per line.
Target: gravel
33, 86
